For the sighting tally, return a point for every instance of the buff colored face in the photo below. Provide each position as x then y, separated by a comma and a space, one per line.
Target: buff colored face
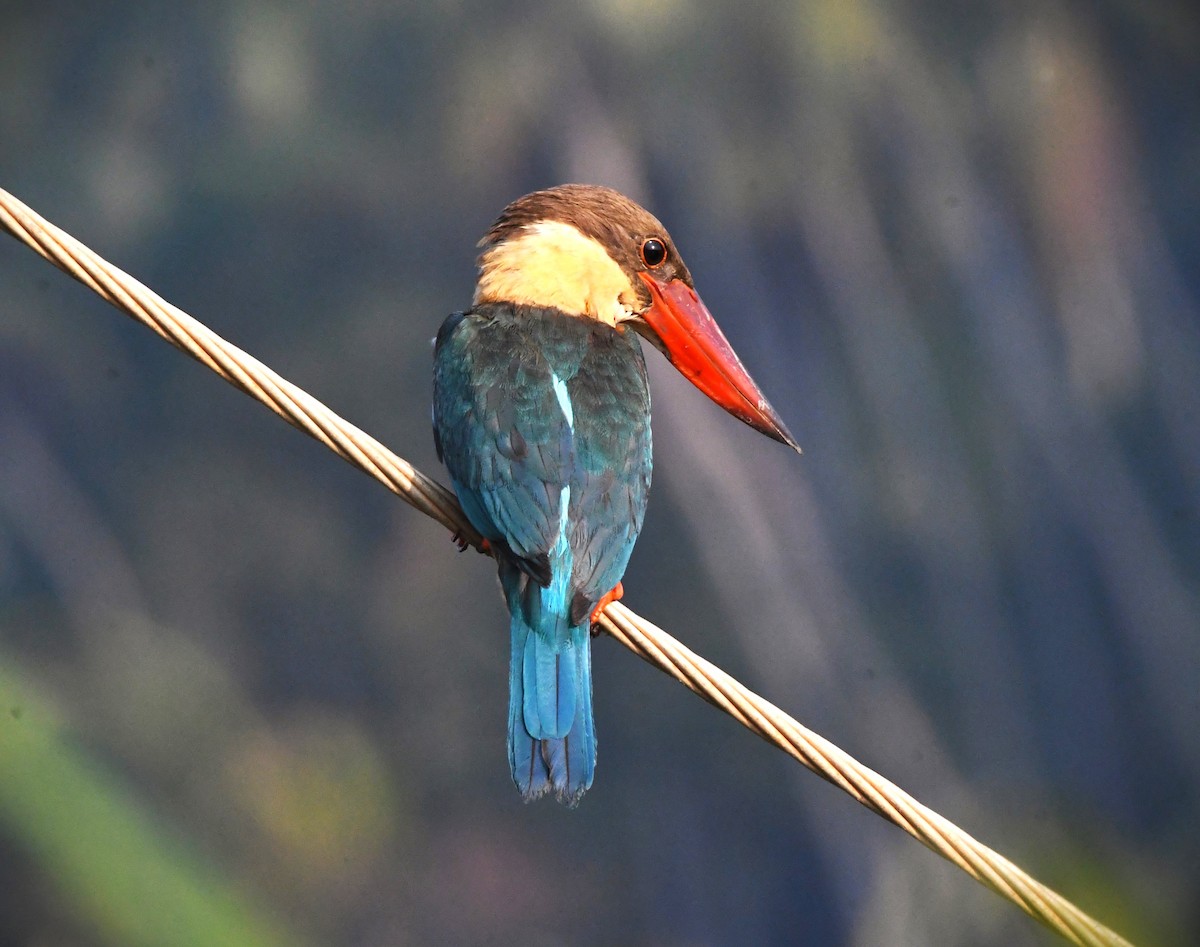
552, 264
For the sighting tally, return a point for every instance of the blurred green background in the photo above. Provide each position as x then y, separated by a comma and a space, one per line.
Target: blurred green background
247, 697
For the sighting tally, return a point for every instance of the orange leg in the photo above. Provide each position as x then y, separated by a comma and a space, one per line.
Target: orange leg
612, 595
461, 542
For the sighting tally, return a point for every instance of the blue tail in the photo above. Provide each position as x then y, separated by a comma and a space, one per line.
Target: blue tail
551, 736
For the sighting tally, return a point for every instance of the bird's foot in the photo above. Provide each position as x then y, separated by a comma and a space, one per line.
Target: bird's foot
461, 541
612, 595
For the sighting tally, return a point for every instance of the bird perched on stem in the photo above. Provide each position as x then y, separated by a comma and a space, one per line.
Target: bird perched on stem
541, 415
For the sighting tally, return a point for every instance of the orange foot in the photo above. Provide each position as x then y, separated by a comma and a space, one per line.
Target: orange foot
461, 541
612, 595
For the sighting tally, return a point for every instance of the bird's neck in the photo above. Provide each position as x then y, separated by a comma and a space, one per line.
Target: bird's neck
553, 265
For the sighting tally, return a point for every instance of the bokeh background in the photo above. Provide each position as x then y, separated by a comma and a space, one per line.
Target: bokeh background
247, 697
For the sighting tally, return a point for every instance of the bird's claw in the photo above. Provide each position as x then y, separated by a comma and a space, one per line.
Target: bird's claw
612, 595
462, 542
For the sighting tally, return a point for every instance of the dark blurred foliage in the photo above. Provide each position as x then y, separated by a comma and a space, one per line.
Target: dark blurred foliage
245, 690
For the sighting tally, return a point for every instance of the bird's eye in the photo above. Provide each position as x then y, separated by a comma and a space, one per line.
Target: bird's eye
654, 251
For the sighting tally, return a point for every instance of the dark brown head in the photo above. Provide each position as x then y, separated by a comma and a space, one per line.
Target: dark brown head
593, 253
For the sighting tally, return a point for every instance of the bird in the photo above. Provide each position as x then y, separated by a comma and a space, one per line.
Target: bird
541, 416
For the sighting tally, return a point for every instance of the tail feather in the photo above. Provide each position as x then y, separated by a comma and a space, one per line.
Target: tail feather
551, 735
579, 746
529, 769
550, 681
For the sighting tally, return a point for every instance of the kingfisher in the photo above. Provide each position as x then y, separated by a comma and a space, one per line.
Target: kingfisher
541, 415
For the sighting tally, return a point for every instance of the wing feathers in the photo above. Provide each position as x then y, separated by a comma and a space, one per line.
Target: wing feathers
527, 402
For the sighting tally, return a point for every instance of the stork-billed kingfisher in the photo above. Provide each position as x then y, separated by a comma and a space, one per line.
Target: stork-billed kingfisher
541, 414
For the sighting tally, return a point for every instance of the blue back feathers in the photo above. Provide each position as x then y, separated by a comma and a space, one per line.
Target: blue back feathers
543, 421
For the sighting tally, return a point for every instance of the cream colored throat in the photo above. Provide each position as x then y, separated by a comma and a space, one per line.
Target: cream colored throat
552, 264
